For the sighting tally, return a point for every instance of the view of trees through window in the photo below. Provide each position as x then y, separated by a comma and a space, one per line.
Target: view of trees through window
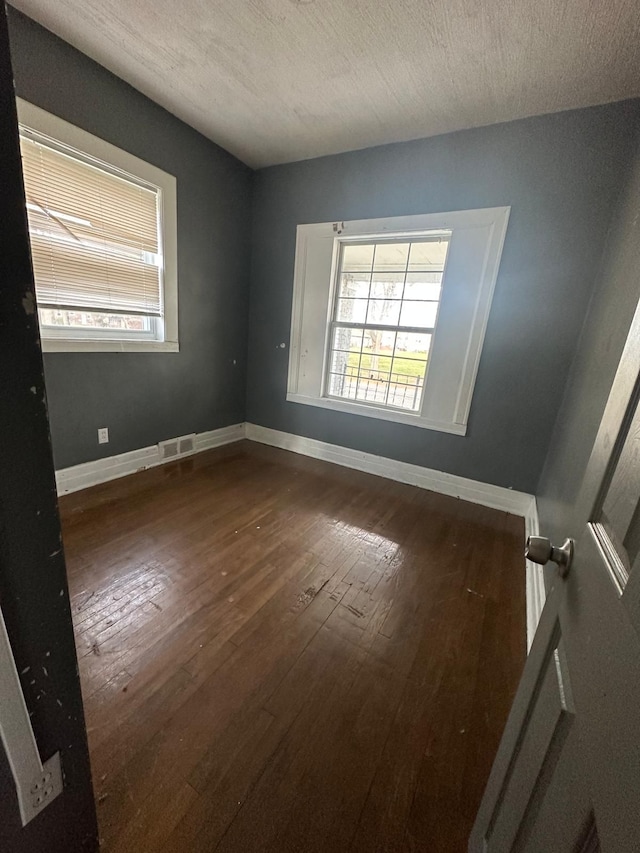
384, 317
61, 318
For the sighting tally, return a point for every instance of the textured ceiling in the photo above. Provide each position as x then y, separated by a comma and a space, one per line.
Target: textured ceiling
279, 80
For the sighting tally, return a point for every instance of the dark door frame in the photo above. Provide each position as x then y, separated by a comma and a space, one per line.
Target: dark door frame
33, 585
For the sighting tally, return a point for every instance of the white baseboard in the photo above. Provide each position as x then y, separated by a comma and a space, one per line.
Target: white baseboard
508, 500
102, 470
495, 497
218, 437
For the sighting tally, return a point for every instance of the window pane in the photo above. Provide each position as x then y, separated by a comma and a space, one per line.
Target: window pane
409, 345
419, 314
384, 311
425, 285
372, 389
391, 256
342, 361
406, 382
384, 340
357, 257
429, 255
402, 368
377, 351
343, 385
389, 285
347, 339
354, 285
91, 320
354, 310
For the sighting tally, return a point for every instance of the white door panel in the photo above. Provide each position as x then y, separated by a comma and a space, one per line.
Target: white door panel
567, 773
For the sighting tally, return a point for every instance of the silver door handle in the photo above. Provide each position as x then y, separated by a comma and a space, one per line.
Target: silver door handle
540, 550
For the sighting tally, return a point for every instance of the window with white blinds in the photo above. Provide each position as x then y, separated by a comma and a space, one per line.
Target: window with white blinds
97, 231
94, 234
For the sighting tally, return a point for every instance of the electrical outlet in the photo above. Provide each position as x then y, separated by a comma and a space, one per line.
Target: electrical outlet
103, 435
44, 788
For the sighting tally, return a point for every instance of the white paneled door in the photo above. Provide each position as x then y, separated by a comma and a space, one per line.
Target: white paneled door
567, 773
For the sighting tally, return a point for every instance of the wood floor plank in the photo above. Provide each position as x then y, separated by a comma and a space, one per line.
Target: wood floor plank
278, 654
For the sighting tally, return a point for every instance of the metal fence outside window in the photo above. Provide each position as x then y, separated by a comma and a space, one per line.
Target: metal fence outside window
390, 389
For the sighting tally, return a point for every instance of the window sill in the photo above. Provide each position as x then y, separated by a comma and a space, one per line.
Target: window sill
61, 345
380, 414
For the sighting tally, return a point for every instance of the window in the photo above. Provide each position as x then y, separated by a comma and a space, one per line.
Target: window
389, 315
102, 226
384, 317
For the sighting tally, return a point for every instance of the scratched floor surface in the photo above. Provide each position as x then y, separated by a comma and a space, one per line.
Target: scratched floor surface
278, 654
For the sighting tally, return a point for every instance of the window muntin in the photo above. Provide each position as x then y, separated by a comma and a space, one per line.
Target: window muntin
385, 310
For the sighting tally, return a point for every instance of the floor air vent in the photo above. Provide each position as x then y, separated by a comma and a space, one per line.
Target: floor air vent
174, 448
186, 444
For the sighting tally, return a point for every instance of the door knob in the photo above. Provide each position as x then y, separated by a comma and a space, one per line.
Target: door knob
540, 550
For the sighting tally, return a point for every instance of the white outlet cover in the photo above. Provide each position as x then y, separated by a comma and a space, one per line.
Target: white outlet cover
103, 435
44, 788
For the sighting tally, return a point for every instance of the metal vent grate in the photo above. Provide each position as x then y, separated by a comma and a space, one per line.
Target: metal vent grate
168, 449
187, 444
174, 448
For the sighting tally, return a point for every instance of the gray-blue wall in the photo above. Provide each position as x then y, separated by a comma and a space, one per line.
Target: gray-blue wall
560, 173
146, 397
614, 301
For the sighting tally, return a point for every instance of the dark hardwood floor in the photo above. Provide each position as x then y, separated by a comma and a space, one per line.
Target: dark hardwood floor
278, 654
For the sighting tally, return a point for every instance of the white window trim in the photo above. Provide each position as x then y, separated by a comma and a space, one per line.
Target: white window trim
50, 125
477, 241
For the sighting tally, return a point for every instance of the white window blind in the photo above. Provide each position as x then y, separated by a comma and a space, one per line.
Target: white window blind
95, 235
